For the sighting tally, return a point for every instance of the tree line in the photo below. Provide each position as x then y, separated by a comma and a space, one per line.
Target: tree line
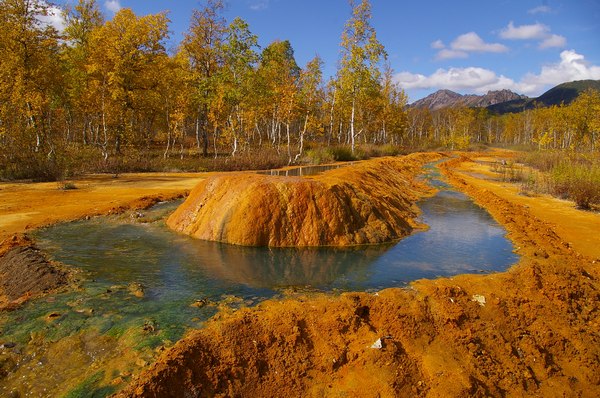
575, 126
109, 89
104, 93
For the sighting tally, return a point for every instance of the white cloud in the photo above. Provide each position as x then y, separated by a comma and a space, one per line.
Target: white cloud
464, 44
54, 18
572, 66
536, 31
525, 32
553, 41
540, 10
112, 5
447, 53
470, 78
472, 42
438, 45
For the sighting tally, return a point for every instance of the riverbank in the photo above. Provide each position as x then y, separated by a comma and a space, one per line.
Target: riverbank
529, 331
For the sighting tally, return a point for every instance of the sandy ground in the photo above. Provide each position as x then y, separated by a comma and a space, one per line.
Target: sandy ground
530, 331
26, 206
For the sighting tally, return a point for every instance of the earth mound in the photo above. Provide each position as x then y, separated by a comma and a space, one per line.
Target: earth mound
367, 203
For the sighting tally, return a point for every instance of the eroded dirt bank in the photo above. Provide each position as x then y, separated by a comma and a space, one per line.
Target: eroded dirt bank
370, 202
25, 272
530, 331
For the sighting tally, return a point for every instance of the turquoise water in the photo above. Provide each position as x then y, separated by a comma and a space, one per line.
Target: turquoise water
120, 254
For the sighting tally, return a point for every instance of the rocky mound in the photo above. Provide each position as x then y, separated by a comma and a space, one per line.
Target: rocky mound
26, 272
368, 203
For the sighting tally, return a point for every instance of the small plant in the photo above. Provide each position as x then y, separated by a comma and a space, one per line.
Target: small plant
509, 171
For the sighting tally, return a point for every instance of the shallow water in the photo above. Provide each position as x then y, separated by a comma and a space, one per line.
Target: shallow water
303, 171
118, 254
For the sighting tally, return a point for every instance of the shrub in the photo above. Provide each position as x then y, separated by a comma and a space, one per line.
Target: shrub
342, 153
541, 160
509, 172
579, 182
318, 156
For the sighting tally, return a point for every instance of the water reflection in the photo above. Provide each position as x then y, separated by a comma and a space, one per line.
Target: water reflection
271, 268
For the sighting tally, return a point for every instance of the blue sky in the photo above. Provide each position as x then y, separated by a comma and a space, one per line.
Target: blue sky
467, 46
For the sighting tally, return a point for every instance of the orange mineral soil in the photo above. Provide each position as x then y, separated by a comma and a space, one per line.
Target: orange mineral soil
25, 206
366, 203
529, 331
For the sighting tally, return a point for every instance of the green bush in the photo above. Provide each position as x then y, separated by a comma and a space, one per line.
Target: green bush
318, 156
342, 153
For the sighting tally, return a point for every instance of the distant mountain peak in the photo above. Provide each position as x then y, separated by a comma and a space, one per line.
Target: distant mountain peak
446, 98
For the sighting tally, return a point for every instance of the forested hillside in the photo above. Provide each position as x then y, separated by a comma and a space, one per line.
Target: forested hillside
563, 94
106, 95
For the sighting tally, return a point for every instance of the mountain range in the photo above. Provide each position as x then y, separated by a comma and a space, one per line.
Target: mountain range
506, 101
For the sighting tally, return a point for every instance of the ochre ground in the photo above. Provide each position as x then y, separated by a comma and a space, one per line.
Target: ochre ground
26, 206
530, 331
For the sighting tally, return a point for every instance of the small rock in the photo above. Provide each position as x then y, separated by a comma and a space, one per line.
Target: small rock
85, 311
117, 381
149, 326
136, 215
479, 299
200, 303
378, 344
137, 289
7, 345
